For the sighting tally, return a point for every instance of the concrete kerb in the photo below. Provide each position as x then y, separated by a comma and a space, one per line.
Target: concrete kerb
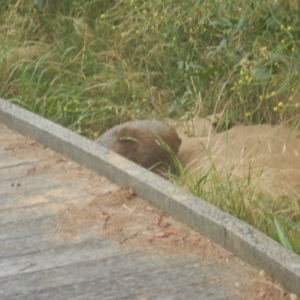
227, 231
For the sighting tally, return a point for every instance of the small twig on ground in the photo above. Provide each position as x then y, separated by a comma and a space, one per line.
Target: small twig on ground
129, 237
27, 267
105, 221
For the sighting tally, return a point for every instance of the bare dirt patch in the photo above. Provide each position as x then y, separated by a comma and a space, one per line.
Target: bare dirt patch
271, 151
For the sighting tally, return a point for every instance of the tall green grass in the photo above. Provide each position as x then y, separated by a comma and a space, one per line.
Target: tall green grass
89, 65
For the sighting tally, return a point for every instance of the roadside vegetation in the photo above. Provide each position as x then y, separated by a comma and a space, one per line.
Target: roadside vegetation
89, 65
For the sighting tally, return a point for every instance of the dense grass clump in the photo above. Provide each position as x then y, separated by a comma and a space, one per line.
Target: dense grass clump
245, 197
89, 65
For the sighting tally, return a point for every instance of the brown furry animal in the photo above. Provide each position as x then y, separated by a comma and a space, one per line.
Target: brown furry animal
141, 142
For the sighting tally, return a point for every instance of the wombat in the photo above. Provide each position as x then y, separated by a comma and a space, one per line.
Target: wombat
142, 142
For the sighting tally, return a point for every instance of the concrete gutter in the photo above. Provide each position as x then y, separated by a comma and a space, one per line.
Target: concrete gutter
229, 232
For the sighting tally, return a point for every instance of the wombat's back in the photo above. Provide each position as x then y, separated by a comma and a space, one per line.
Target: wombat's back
139, 141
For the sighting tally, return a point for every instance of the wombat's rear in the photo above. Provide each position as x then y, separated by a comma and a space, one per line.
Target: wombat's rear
142, 142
